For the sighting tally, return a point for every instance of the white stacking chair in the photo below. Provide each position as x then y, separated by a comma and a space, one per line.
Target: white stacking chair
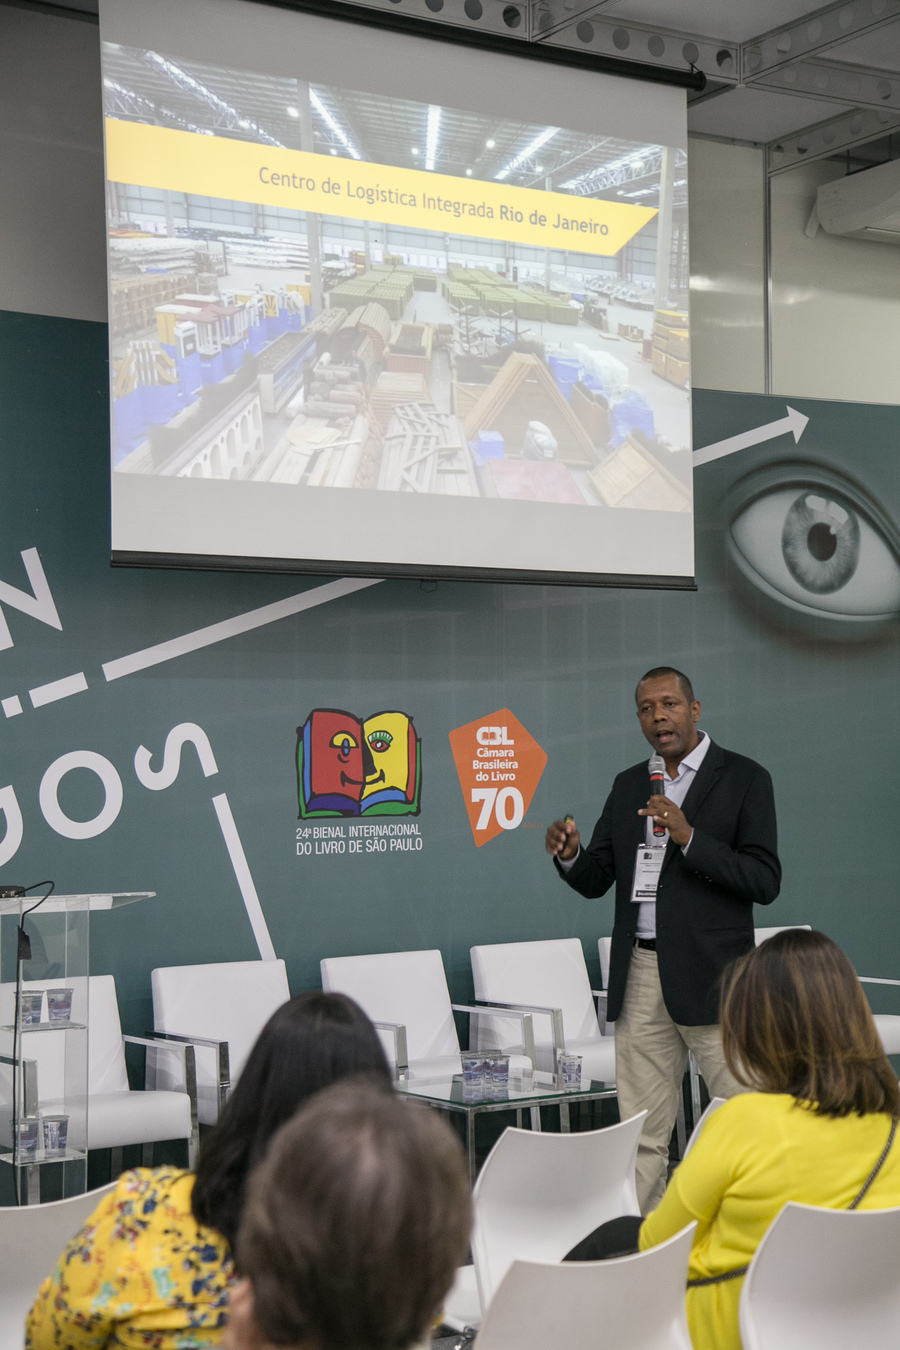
713, 1105
549, 979
763, 934
825, 1278
406, 996
536, 1196
629, 1303
117, 1116
31, 1239
219, 1008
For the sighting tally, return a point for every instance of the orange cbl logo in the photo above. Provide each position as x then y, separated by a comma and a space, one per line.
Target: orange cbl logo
499, 765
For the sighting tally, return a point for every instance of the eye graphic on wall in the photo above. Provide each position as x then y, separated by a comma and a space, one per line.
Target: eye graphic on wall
815, 543
344, 743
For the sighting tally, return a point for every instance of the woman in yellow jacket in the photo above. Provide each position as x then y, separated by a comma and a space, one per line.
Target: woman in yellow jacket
797, 1031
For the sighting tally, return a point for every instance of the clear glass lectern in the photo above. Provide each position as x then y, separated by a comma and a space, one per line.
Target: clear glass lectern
44, 1019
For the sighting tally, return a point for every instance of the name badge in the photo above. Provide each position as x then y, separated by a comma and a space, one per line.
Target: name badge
646, 872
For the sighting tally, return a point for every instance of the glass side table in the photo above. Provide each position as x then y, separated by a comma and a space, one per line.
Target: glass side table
448, 1094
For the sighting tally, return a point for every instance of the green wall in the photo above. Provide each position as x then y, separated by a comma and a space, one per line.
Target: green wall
818, 710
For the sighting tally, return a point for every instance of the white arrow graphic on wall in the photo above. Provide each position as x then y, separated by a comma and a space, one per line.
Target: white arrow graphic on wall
795, 423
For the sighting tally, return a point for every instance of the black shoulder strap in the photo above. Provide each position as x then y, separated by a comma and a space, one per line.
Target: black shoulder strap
742, 1270
877, 1168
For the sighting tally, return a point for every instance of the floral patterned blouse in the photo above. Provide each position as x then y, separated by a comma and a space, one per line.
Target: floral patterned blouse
141, 1273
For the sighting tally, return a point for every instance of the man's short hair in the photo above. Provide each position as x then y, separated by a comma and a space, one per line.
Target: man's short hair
355, 1222
658, 672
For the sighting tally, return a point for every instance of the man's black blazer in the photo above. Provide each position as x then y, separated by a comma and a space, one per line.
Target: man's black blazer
705, 899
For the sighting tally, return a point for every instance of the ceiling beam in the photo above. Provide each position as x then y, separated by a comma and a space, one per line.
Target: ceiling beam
835, 82
549, 16
814, 33
836, 134
509, 17
649, 44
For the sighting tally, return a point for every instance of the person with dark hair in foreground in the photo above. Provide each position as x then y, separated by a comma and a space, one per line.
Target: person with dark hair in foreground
153, 1264
817, 1125
354, 1226
684, 904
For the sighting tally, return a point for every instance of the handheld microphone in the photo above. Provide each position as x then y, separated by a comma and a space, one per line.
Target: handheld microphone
657, 766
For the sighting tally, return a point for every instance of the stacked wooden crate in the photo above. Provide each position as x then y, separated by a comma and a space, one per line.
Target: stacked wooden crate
461, 296
670, 356
531, 305
410, 348
133, 299
394, 387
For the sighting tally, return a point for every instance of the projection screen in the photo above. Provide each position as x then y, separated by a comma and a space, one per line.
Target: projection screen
387, 305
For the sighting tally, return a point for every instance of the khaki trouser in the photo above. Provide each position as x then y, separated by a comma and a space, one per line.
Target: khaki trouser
651, 1057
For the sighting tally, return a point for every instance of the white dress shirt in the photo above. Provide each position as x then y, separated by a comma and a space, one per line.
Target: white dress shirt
676, 789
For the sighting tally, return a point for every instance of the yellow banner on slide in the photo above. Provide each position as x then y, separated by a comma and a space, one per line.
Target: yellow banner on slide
244, 171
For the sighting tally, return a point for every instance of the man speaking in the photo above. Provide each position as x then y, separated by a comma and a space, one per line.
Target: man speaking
689, 863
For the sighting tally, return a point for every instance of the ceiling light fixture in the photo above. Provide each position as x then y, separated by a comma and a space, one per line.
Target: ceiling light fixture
531, 149
330, 122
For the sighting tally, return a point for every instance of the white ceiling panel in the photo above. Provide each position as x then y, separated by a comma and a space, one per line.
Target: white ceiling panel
730, 20
756, 115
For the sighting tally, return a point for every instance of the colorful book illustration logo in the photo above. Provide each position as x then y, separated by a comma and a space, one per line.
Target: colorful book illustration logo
347, 767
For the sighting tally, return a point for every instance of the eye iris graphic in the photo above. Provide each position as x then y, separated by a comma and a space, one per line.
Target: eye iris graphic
816, 548
379, 741
820, 543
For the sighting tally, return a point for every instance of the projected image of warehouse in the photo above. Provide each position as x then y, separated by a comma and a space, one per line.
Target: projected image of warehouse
374, 293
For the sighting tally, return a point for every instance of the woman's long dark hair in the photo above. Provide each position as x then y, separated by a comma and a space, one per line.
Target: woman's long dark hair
308, 1043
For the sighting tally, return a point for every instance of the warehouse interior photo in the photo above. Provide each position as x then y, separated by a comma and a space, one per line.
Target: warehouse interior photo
274, 345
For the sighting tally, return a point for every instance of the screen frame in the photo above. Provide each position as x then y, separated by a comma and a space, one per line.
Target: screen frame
203, 562
414, 26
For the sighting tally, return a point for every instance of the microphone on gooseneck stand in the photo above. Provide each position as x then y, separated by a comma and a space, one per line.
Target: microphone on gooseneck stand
657, 766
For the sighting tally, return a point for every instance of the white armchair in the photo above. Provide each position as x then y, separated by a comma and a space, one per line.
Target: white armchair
550, 979
406, 996
117, 1116
219, 1009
